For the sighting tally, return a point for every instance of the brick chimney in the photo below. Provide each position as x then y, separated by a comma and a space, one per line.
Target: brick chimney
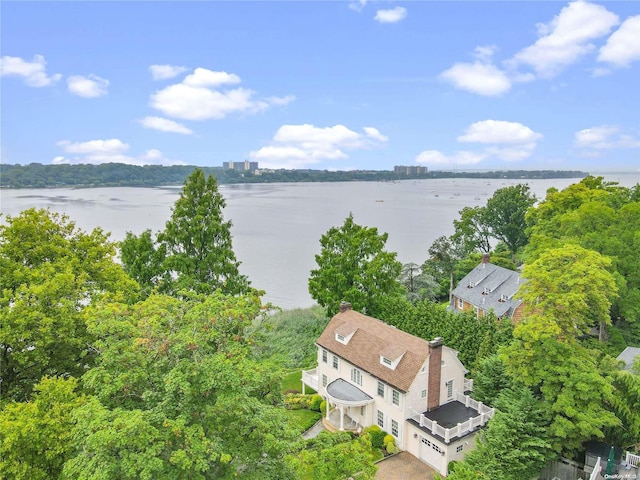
435, 367
344, 306
486, 258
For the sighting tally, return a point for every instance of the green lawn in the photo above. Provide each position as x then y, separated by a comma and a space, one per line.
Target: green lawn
292, 381
303, 420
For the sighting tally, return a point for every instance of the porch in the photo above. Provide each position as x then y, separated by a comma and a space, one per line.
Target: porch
454, 419
345, 396
310, 379
332, 422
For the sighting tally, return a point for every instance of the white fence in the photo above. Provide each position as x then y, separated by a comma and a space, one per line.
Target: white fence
485, 413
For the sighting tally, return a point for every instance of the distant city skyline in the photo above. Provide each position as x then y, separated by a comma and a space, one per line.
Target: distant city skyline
342, 85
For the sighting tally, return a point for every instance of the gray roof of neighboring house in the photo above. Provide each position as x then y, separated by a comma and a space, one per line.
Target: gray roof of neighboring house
490, 287
628, 355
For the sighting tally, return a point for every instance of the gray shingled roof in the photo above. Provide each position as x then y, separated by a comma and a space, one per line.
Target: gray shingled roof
628, 355
490, 287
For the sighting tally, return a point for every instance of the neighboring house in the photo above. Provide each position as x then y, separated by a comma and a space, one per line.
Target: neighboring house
627, 356
373, 373
489, 287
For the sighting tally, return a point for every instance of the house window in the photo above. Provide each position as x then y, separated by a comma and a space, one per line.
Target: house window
335, 362
380, 419
437, 448
324, 380
460, 304
396, 398
459, 448
380, 389
394, 428
449, 386
356, 376
324, 356
340, 337
423, 393
426, 441
386, 361
362, 411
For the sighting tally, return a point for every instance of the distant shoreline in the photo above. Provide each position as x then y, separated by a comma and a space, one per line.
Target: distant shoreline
37, 175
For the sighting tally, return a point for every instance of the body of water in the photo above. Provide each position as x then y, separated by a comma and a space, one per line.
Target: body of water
277, 227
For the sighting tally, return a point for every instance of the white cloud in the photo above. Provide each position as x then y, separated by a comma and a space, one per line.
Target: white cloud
358, 5
165, 125
33, 72
163, 72
502, 140
198, 97
566, 38
393, 15
198, 103
90, 86
280, 100
480, 78
203, 77
438, 159
605, 137
498, 132
623, 46
299, 146
108, 151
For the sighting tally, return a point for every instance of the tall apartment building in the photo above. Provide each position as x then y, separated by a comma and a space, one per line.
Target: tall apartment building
245, 166
410, 170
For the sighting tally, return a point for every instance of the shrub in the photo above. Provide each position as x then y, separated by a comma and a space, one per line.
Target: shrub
377, 436
388, 439
296, 401
316, 403
323, 406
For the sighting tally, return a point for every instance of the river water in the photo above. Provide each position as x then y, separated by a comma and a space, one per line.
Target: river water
277, 227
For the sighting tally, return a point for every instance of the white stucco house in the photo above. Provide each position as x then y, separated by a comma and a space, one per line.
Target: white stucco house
372, 373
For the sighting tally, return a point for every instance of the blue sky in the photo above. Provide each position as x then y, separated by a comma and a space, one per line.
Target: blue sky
323, 84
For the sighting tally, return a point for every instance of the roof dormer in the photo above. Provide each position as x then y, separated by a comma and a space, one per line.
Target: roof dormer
344, 333
391, 355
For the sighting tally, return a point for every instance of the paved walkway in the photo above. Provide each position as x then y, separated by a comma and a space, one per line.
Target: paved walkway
314, 431
404, 466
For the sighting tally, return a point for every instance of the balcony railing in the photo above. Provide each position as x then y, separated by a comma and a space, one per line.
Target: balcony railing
310, 378
468, 384
484, 414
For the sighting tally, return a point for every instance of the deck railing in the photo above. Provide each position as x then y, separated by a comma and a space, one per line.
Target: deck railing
632, 459
484, 414
596, 469
468, 384
310, 377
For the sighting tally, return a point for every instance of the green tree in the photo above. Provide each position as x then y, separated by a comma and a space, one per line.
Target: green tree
179, 372
574, 393
514, 446
143, 261
194, 252
35, 437
198, 240
490, 379
572, 286
49, 272
472, 230
334, 456
419, 285
353, 266
444, 255
505, 215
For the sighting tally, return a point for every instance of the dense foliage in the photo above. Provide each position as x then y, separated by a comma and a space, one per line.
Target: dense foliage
353, 266
194, 252
36, 175
50, 271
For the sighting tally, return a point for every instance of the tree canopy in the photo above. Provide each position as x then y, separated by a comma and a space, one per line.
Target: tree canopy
194, 252
50, 271
354, 266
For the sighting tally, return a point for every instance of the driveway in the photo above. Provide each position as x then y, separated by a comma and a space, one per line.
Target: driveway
404, 466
